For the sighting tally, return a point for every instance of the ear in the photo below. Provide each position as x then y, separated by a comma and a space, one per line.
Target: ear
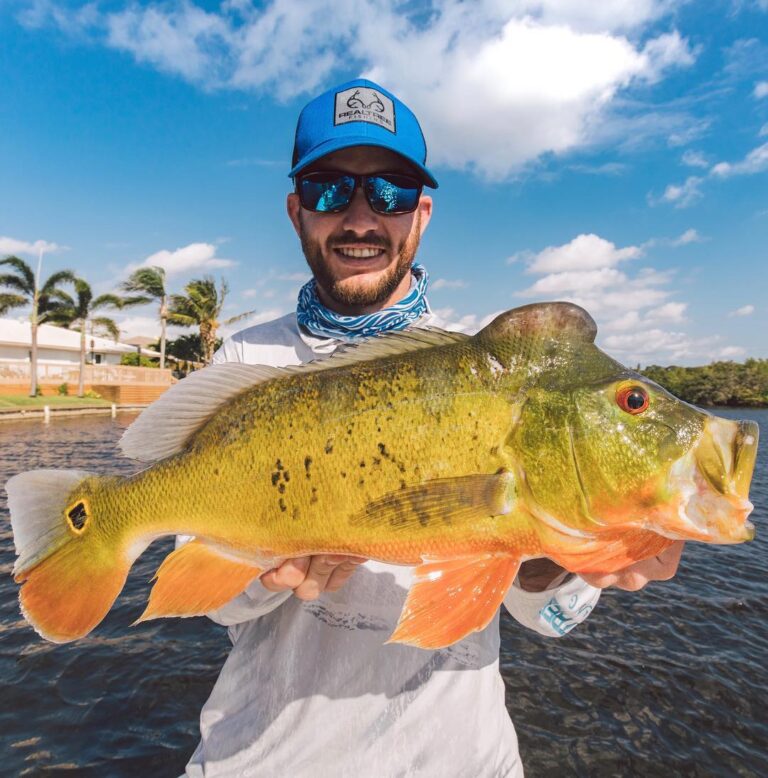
558, 321
425, 212
293, 207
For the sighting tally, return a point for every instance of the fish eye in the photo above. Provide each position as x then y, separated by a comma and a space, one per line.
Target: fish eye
632, 398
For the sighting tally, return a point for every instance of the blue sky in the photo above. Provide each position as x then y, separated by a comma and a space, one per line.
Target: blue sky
613, 153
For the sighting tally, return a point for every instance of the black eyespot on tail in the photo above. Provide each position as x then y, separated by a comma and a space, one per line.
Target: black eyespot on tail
78, 515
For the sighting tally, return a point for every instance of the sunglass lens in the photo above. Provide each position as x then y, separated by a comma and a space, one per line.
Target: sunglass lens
393, 193
326, 192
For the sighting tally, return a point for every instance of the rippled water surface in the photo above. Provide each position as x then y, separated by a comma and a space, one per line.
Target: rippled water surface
666, 682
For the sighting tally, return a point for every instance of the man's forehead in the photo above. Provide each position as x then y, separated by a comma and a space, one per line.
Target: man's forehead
363, 159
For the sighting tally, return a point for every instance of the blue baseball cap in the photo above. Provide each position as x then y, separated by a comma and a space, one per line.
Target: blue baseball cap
359, 113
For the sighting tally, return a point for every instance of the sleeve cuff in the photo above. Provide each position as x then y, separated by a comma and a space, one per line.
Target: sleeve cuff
554, 612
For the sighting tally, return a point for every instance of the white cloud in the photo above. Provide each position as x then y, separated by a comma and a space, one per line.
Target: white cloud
761, 89
633, 306
15, 246
671, 312
755, 162
136, 325
444, 283
682, 195
763, 130
745, 310
195, 256
729, 352
693, 158
531, 77
689, 236
584, 252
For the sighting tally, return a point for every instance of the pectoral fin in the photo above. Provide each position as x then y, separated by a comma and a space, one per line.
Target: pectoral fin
196, 579
450, 599
442, 500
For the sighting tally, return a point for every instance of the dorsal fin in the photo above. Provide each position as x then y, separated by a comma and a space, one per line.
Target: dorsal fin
542, 320
166, 425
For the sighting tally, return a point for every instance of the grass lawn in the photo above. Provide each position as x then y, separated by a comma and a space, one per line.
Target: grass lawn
57, 401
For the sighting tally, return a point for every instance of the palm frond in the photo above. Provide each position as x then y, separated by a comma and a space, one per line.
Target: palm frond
15, 282
137, 300
9, 301
239, 317
107, 325
107, 301
150, 280
23, 269
59, 277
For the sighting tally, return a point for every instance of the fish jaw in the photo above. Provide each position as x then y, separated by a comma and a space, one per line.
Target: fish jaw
712, 483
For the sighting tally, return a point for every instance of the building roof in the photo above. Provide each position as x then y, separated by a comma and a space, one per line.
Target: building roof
17, 333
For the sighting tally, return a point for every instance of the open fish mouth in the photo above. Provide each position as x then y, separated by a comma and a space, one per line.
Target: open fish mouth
714, 479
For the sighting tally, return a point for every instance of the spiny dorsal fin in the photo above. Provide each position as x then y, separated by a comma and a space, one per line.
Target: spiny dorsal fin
542, 320
164, 427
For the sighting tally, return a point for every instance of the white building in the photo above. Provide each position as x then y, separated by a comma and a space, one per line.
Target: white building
59, 346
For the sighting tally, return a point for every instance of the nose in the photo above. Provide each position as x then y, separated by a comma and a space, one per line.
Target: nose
359, 217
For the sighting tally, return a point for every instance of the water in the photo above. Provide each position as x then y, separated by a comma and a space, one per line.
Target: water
668, 681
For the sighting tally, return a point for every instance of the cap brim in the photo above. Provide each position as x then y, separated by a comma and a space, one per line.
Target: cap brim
336, 144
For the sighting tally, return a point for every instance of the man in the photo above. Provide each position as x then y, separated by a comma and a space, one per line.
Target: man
310, 688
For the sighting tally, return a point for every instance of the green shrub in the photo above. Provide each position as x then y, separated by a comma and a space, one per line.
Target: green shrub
63, 389
91, 395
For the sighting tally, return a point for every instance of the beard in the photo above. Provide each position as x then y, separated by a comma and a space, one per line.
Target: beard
350, 292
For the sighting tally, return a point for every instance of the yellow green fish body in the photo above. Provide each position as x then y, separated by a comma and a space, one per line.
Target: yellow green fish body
460, 455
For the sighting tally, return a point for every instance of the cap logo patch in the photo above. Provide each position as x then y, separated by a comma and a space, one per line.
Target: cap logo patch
361, 104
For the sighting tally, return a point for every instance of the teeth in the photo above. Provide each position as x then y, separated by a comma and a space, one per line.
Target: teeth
358, 253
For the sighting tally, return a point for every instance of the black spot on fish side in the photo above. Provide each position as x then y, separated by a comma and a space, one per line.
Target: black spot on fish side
423, 517
329, 445
286, 476
307, 465
281, 488
279, 465
78, 515
281, 503
275, 478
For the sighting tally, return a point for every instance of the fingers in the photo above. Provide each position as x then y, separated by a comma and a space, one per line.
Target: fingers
309, 577
659, 568
288, 575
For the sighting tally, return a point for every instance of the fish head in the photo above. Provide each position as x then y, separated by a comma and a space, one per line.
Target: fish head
601, 446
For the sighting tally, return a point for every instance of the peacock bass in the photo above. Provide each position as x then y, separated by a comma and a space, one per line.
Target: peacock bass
462, 456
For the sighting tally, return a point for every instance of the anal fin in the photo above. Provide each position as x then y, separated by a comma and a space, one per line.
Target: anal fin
450, 599
195, 579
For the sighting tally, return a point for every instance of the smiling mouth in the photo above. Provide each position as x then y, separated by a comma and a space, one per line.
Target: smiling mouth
359, 253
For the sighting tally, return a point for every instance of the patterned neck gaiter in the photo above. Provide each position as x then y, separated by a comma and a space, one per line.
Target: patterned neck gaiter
321, 321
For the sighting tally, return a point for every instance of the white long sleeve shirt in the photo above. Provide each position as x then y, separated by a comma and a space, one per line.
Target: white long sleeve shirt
311, 689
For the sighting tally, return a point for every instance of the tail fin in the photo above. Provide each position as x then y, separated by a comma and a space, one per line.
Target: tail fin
69, 577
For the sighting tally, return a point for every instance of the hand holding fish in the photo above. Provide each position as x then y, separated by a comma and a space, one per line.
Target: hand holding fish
310, 576
661, 567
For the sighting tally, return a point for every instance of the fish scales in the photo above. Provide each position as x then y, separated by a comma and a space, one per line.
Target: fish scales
287, 481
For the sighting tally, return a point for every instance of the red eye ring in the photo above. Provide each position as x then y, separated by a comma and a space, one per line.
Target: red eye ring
632, 399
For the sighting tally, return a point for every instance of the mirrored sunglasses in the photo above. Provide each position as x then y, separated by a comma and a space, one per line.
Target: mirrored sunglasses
331, 192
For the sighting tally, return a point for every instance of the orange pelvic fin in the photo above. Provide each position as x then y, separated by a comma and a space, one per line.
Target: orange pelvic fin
450, 599
610, 551
196, 579
70, 592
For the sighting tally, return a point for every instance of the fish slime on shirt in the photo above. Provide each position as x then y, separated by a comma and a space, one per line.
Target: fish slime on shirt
462, 456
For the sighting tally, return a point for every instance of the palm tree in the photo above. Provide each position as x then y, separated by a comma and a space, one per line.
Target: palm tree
79, 313
28, 291
150, 283
201, 306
